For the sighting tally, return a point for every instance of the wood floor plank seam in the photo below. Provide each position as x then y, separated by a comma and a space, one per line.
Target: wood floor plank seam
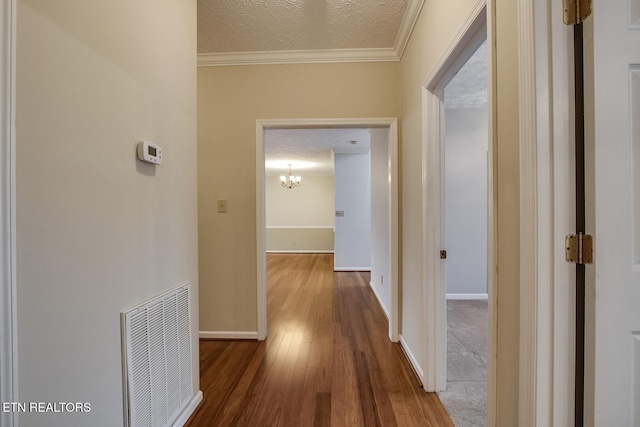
327, 359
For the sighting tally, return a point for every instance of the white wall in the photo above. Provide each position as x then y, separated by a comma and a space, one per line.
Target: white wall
98, 231
466, 200
380, 208
353, 196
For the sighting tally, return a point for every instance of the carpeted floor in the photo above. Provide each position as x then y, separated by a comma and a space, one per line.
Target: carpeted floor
466, 395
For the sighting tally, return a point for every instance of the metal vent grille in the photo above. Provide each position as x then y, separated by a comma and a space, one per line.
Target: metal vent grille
157, 353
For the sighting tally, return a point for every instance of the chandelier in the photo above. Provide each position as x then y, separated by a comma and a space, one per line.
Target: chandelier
290, 181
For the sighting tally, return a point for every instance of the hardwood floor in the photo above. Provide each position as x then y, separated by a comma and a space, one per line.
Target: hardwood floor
327, 360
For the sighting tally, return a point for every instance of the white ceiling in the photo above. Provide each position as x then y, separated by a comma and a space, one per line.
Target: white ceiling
270, 25
468, 89
280, 31
309, 150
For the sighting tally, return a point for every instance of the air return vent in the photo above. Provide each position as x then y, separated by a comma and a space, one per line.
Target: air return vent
156, 352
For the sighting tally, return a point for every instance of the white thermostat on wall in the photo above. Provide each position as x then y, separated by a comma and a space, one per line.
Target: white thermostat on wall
149, 152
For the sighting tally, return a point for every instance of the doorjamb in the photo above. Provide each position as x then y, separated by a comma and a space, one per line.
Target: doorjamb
546, 154
464, 43
261, 126
8, 311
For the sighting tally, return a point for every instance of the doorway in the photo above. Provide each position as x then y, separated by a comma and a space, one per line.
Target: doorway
465, 43
465, 146
392, 232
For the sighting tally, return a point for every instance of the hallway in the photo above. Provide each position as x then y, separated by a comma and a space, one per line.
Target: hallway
327, 359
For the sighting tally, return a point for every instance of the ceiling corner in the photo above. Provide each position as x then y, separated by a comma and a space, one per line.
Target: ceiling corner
406, 27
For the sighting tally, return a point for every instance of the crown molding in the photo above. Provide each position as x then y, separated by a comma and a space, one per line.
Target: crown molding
324, 55
406, 26
297, 57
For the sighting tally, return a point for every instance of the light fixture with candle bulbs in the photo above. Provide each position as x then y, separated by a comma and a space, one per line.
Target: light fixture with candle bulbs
290, 181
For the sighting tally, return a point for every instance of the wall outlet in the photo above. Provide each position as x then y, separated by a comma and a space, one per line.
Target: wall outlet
222, 206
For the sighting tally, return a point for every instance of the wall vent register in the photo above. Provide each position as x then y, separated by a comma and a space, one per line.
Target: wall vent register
156, 355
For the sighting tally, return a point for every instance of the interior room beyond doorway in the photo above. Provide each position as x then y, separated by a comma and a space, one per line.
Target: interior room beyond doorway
465, 235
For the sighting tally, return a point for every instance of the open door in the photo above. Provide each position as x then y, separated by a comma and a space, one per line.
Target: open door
612, 124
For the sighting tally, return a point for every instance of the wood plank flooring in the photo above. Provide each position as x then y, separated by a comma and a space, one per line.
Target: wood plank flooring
327, 360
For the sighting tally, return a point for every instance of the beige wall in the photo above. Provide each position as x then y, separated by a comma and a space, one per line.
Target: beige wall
230, 100
435, 27
300, 239
302, 218
309, 204
97, 231
507, 198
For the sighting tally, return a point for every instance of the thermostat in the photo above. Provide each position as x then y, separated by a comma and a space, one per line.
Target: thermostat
149, 152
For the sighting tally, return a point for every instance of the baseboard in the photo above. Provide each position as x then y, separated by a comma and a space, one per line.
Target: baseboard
189, 410
309, 251
412, 359
467, 296
351, 268
384, 309
229, 335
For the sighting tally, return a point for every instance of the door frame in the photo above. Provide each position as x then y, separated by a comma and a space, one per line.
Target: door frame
8, 313
261, 126
464, 43
547, 282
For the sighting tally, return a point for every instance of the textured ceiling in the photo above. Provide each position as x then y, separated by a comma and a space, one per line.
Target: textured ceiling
468, 89
309, 150
275, 25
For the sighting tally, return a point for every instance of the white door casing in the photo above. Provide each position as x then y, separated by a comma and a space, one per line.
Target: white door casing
464, 43
392, 125
612, 63
547, 188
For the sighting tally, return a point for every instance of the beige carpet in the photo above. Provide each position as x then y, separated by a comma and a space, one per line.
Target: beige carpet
466, 395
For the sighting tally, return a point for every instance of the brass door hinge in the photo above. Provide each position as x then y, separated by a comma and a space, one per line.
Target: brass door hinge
576, 11
579, 248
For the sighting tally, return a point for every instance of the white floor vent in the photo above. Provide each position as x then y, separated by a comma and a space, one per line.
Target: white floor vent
156, 351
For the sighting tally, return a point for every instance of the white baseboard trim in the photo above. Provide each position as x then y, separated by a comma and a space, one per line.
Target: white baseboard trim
351, 268
412, 359
306, 251
467, 296
229, 335
375, 292
191, 407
